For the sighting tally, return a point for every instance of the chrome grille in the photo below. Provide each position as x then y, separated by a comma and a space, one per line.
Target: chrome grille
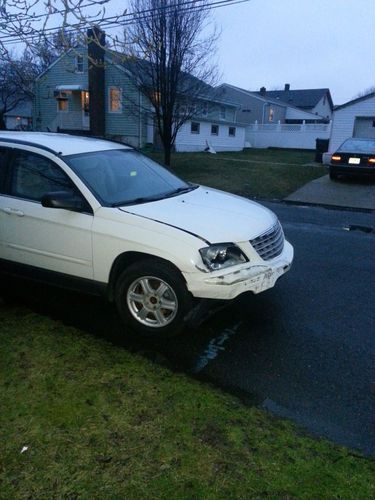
269, 244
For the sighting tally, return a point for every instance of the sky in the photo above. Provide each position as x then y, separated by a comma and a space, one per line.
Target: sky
306, 43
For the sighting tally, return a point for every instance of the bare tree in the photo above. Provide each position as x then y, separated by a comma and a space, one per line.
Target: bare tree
365, 92
16, 83
170, 57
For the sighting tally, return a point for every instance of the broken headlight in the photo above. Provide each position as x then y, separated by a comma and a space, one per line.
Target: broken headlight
222, 255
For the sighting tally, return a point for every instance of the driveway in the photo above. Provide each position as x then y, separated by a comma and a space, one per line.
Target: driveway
348, 193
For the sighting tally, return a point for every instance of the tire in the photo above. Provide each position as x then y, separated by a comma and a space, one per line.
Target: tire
140, 293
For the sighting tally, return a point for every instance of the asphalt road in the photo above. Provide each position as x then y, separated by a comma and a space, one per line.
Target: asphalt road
304, 350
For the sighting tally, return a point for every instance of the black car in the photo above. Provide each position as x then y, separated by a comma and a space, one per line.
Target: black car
354, 156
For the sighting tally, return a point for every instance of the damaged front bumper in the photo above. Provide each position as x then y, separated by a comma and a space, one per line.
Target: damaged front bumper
250, 277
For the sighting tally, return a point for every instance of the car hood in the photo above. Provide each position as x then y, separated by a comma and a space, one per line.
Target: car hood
212, 215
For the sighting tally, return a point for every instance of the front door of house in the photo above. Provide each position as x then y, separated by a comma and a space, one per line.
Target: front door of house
85, 99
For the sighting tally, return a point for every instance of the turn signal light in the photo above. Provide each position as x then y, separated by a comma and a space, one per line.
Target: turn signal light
371, 160
336, 157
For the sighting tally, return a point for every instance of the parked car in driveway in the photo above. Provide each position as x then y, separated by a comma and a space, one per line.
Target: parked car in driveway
354, 156
99, 216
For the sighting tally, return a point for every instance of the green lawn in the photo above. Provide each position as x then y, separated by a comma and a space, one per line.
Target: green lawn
255, 173
99, 422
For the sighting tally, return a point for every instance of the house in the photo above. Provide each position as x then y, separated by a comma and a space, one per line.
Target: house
271, 122
355, 118
257, 108
75, 96
316, 101
20, 117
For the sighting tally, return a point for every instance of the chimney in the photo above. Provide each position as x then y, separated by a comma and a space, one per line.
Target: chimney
95, 51
262, 90
287, 86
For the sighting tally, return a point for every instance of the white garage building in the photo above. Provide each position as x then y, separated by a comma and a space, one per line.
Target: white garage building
353, 119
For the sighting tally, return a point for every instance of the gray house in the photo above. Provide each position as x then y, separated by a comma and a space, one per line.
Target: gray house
315, 101
101, 99
260, 107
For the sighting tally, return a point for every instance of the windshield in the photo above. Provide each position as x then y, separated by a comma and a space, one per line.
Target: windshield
122, 177
357, 146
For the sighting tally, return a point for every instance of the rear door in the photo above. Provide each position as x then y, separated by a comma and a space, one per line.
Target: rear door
47, 238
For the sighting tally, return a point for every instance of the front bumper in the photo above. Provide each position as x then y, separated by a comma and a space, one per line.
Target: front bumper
250, 277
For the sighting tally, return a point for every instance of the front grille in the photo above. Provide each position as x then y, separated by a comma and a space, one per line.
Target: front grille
269, 244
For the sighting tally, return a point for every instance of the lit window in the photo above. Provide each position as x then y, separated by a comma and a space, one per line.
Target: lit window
115, 100
270, 115
232, 131
195, 127
79, 64
156, 98
223, 113
63, 102
214, 129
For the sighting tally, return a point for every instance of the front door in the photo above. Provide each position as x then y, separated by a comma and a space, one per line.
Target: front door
46, 238
85, 100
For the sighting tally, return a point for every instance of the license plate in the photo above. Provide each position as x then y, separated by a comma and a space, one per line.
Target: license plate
354, 161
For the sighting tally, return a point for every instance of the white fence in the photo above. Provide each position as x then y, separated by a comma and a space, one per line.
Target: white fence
282, 135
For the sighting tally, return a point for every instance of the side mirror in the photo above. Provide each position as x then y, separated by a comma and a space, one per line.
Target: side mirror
64, 200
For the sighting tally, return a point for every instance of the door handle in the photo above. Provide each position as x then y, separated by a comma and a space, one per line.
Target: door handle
13, 211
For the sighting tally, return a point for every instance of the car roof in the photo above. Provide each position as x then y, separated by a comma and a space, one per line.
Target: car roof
61, 144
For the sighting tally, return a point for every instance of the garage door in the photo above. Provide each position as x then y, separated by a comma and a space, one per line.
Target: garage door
364, 127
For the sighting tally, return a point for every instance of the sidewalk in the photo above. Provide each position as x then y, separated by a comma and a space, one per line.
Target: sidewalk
348, 193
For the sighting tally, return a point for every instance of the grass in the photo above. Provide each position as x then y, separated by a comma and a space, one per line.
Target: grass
99, 422
254, 173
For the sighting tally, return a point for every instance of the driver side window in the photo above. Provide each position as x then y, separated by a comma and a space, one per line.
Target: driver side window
33, 176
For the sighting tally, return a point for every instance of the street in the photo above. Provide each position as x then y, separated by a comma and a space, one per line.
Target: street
303, 350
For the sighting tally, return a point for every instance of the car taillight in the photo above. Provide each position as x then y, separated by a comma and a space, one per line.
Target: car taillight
336, 157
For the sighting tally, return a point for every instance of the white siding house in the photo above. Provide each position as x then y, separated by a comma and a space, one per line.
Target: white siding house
353, 119
196, 135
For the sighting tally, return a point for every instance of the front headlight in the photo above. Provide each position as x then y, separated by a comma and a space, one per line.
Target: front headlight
222, 255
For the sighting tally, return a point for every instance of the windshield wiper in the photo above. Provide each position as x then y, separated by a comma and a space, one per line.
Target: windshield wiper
136, 201
145, 199
181, 190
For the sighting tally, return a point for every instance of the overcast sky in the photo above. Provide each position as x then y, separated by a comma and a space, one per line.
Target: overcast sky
307, 43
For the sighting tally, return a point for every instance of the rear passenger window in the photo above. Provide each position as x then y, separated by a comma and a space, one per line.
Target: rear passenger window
33, 176
3, 155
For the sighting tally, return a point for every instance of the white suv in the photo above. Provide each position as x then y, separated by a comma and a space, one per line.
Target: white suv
99, 216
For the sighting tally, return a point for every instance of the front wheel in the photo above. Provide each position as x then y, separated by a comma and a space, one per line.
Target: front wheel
152, 298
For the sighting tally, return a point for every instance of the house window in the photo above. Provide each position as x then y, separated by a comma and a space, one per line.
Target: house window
156, 98
232, 131
223, 113
79, 64
195, 127
270, 115
115, 100
214, 129
62, 102
204, 109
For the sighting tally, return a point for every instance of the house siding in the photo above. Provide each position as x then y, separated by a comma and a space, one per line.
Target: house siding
344, 120
323, 108
187, 141
251, 108
45, 114
125, 125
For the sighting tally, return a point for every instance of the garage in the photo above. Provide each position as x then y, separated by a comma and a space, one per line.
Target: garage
355, 118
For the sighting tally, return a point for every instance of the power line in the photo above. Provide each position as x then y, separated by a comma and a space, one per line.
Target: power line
114, 21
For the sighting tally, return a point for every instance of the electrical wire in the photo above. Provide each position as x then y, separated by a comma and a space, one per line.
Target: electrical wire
114, 21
